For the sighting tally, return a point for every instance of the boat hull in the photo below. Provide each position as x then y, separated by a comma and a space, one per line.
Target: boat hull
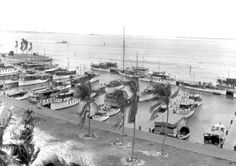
100, 69
31, 82
61, 77
213, 91
64, 104
158, 80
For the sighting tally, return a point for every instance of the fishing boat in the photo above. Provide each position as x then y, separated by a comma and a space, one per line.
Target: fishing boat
215, 135
183, 133
99, 116
186, 109
20, 95
64, 100
104, 66
32, 79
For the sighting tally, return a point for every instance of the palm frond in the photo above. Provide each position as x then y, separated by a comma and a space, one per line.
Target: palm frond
118, 120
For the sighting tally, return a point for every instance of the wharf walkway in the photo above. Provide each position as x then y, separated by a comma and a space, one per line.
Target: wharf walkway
180, 144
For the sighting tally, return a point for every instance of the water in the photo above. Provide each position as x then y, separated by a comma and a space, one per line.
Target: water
209, 59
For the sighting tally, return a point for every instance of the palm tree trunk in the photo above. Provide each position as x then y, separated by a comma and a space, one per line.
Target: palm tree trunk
123, 125
89, 118
132, 155
165, 130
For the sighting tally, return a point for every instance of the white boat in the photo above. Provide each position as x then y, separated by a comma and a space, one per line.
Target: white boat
158, 80
63, 74
21, 95
8, 70
31, 80
100, 117
64, 100
147, 97
111, 111
113, 85
215, 135
186, 110
95, 79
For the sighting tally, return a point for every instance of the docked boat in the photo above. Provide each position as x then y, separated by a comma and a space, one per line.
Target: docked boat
186, 109
43, 97
183, 133
8, 70
109, 110
171, 128
202, 87
32, 79
113, 85
8, 84
104, 66
215, 135
20, 95
197, 99
64, 100
99, 116
158, 77
148, 95
63, 74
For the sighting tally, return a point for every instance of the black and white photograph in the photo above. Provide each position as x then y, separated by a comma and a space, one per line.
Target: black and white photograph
117, 83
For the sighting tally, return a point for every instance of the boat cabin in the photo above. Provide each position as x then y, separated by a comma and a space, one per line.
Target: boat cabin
174, 124
215, 135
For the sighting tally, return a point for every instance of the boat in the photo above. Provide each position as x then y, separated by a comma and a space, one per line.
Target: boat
113, 85
32, 79
183, 133
109, 110
158, 77
62, 42
43, 97
148, 95
63, 74
64, 100
20, 95
104, 66
8, 70
186, 109
8, 84
215, 135
171, 128
197, 99
202, 87
99, 116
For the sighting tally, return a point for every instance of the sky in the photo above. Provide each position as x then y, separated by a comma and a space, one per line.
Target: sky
166, 18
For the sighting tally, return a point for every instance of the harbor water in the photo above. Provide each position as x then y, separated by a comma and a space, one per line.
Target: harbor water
209, 59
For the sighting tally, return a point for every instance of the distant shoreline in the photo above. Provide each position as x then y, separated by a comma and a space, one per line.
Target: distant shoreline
145, 36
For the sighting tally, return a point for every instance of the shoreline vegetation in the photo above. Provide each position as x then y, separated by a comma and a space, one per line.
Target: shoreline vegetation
60, 130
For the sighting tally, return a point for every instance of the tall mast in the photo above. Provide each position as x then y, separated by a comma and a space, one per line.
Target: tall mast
123, 48
137, 61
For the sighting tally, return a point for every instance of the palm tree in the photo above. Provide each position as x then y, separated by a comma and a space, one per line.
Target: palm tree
118, 97
164, 93
134, 87
86, 94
